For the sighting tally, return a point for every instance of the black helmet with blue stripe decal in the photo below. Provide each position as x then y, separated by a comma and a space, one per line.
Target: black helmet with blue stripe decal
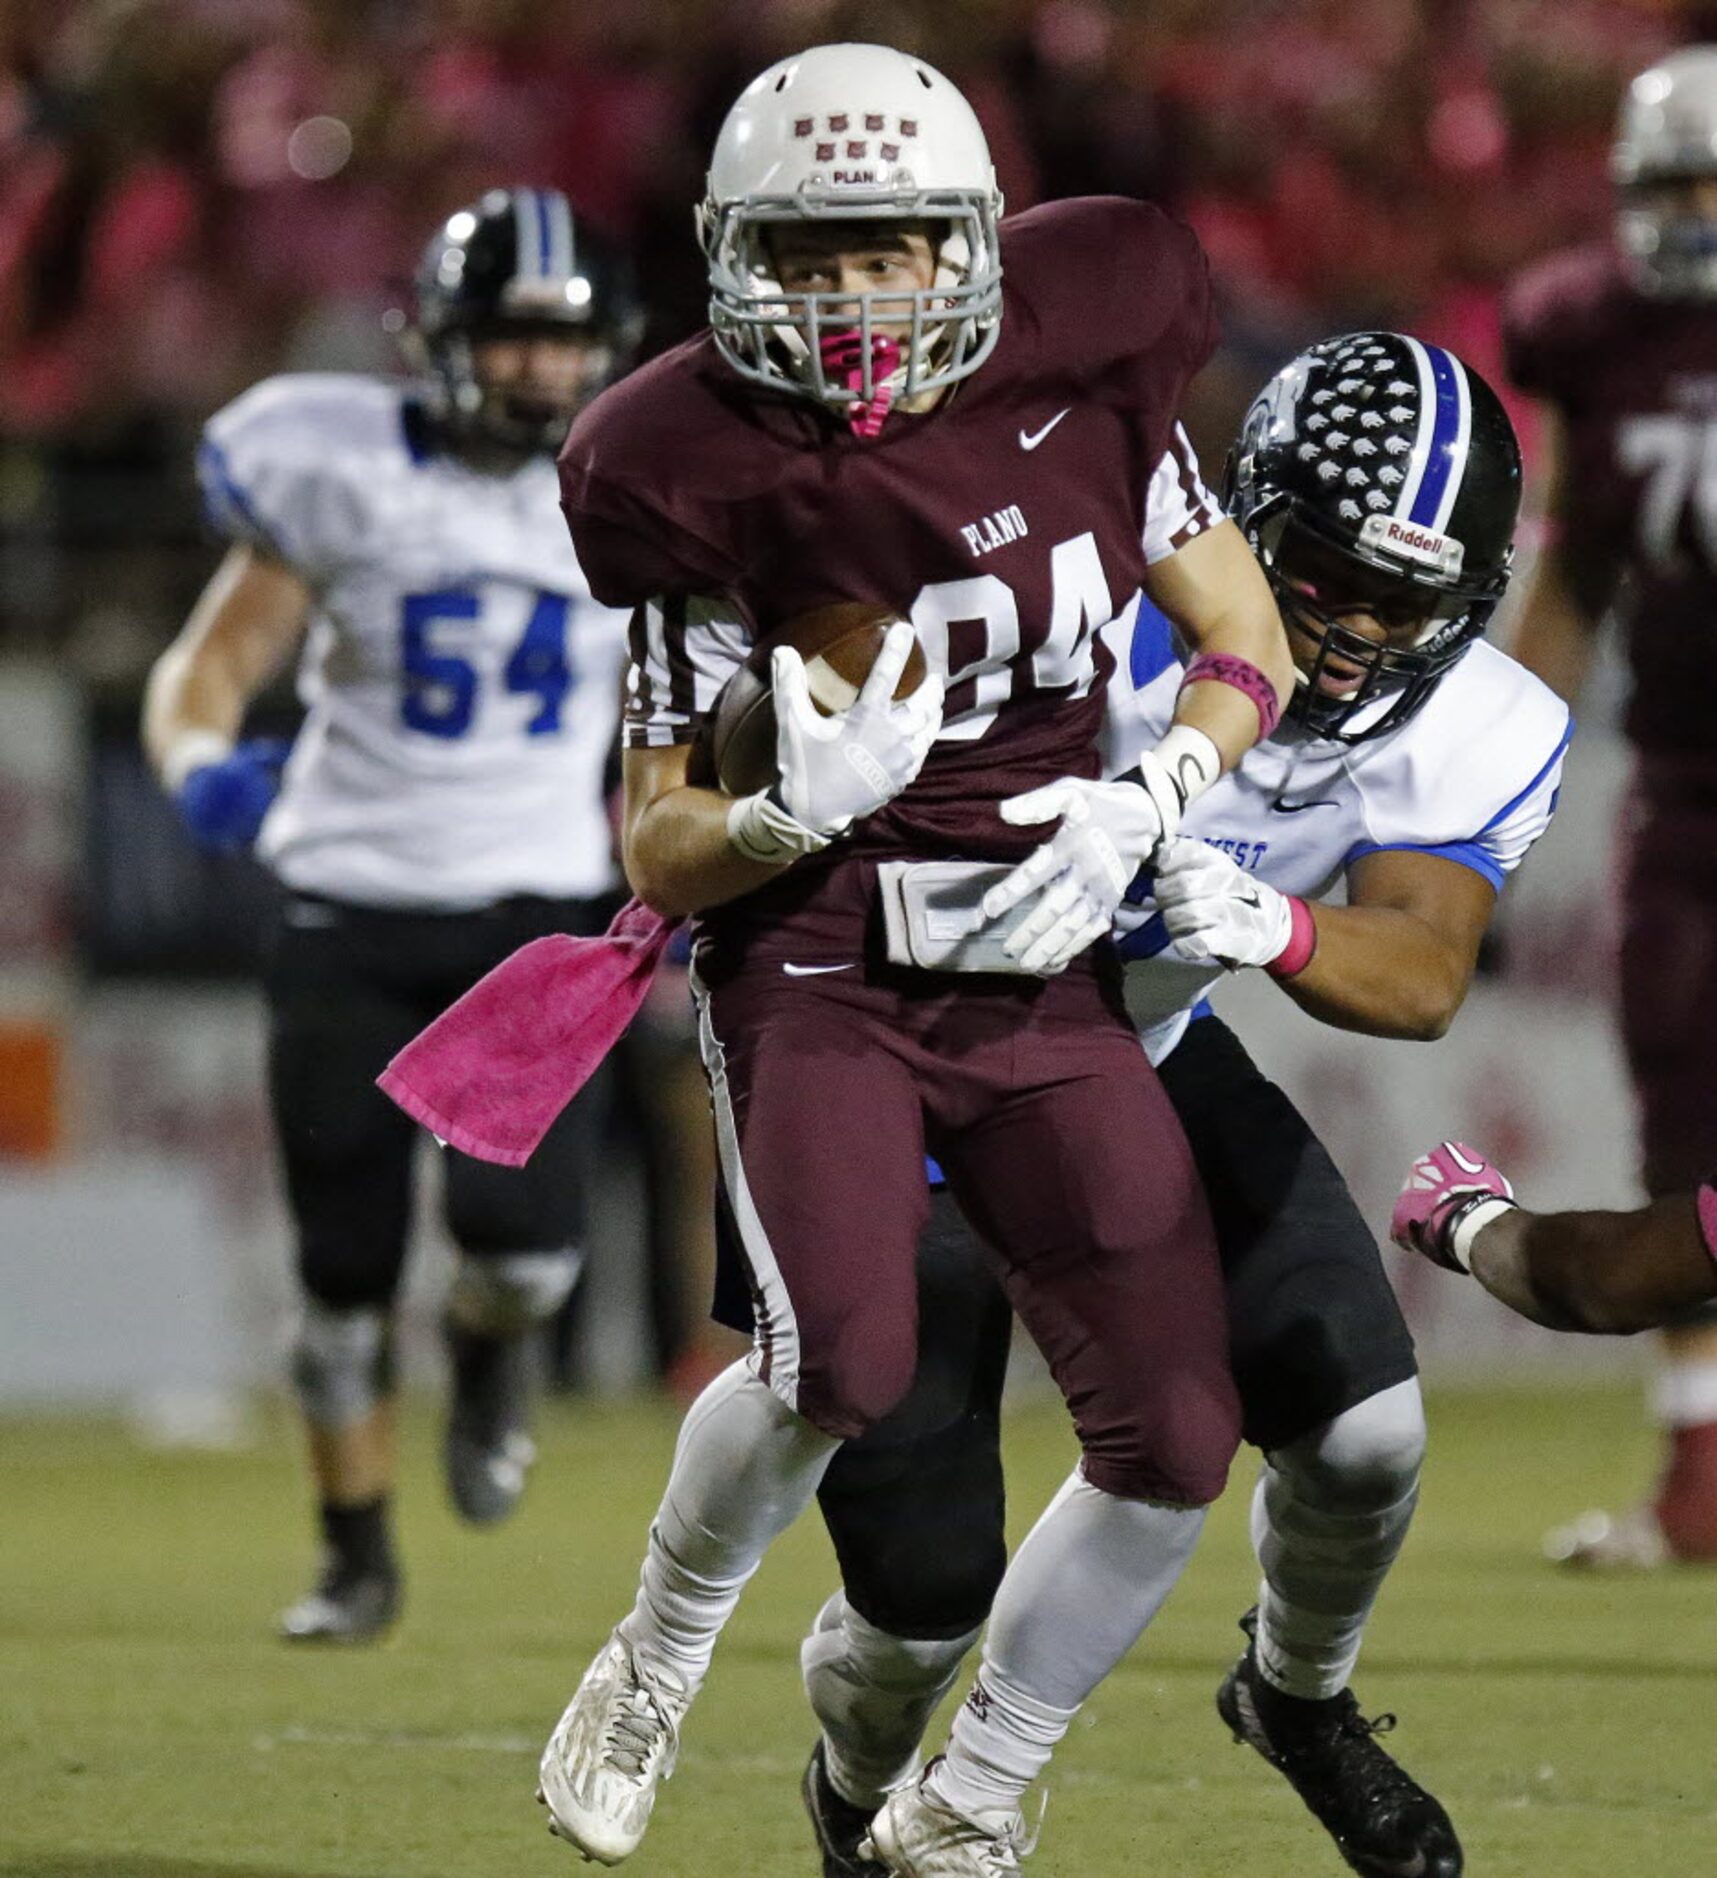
1377, 476
514, 263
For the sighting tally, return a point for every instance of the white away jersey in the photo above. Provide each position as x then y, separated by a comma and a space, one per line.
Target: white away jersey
1472, 777
462, 688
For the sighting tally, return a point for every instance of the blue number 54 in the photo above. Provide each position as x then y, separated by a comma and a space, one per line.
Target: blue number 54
440, 694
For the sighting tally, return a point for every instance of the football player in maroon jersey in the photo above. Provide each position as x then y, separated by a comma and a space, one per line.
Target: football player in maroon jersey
1620, 344
1604, 1273
902, 403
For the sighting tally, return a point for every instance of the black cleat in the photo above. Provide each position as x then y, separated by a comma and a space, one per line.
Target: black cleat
838, 1824
487, 1452
346, 1607
1383, 1822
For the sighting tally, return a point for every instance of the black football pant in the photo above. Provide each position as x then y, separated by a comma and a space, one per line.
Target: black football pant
347, 987
915, 1506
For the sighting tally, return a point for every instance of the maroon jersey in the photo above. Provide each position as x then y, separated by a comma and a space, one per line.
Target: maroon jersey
1006, 524
1634, 382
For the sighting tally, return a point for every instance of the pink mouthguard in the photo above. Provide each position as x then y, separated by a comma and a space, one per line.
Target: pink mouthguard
843, 361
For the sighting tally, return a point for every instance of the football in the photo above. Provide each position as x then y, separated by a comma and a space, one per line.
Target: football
735, 750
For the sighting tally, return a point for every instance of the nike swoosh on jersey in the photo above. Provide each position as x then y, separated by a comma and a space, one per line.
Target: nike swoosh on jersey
1031, 441
1293, 808
813, 971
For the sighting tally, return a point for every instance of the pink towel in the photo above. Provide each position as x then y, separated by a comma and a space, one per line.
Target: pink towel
493, 1071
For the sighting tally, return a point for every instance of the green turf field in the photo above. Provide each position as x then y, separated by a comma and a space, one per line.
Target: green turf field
150, 1728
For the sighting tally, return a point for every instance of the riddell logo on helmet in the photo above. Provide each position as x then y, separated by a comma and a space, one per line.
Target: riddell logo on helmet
1419, 542
1413, 543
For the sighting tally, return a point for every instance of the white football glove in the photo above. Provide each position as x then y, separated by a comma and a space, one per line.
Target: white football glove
837, 769
1108, 831
1216, 912
1081, 873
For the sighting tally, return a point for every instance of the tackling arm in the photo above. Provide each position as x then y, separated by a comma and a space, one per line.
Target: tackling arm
1215, 593
1396, 961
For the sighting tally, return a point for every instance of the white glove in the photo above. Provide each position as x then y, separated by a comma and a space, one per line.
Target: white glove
1080, 875
836, 769
1216, 912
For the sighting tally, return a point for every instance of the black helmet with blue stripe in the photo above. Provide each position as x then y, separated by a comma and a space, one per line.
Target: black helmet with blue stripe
1378, 474
513, 263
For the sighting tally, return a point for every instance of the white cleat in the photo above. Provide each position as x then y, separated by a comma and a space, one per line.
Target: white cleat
620, 1735
916, 1836
1609, 1542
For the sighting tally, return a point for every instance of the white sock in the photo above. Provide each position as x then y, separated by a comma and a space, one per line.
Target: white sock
1684, 1391
1090, 1576
1329, 1515
874, 1693
745, 1468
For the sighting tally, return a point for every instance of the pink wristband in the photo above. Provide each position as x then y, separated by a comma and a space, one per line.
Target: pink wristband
1296, 955
1225, 668
1706, 1201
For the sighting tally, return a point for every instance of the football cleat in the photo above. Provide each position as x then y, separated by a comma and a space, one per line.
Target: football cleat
345, 1607
487, 1452
916, 1836
839, 1825
1383, 1822
1609, 1542
619, 1736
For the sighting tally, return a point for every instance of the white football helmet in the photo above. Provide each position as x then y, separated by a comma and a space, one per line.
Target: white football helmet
855, 133
1668, 135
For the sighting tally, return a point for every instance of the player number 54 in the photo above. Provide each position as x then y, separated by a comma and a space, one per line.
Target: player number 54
440, 686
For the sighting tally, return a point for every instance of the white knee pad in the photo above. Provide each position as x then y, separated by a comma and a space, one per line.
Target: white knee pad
342, 1364
504, 1296
1329, 1516
1368, 1457
874, 1694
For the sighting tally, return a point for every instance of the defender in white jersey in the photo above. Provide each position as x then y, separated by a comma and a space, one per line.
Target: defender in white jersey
1377, 479
442, 804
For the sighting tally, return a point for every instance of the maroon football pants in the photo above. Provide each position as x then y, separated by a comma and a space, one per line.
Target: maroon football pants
1051, 1126
1669, 983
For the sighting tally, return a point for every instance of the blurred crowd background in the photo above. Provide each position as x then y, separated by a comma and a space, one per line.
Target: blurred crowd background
196, 193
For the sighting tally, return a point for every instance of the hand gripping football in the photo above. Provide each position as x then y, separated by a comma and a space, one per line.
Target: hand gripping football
735, 749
